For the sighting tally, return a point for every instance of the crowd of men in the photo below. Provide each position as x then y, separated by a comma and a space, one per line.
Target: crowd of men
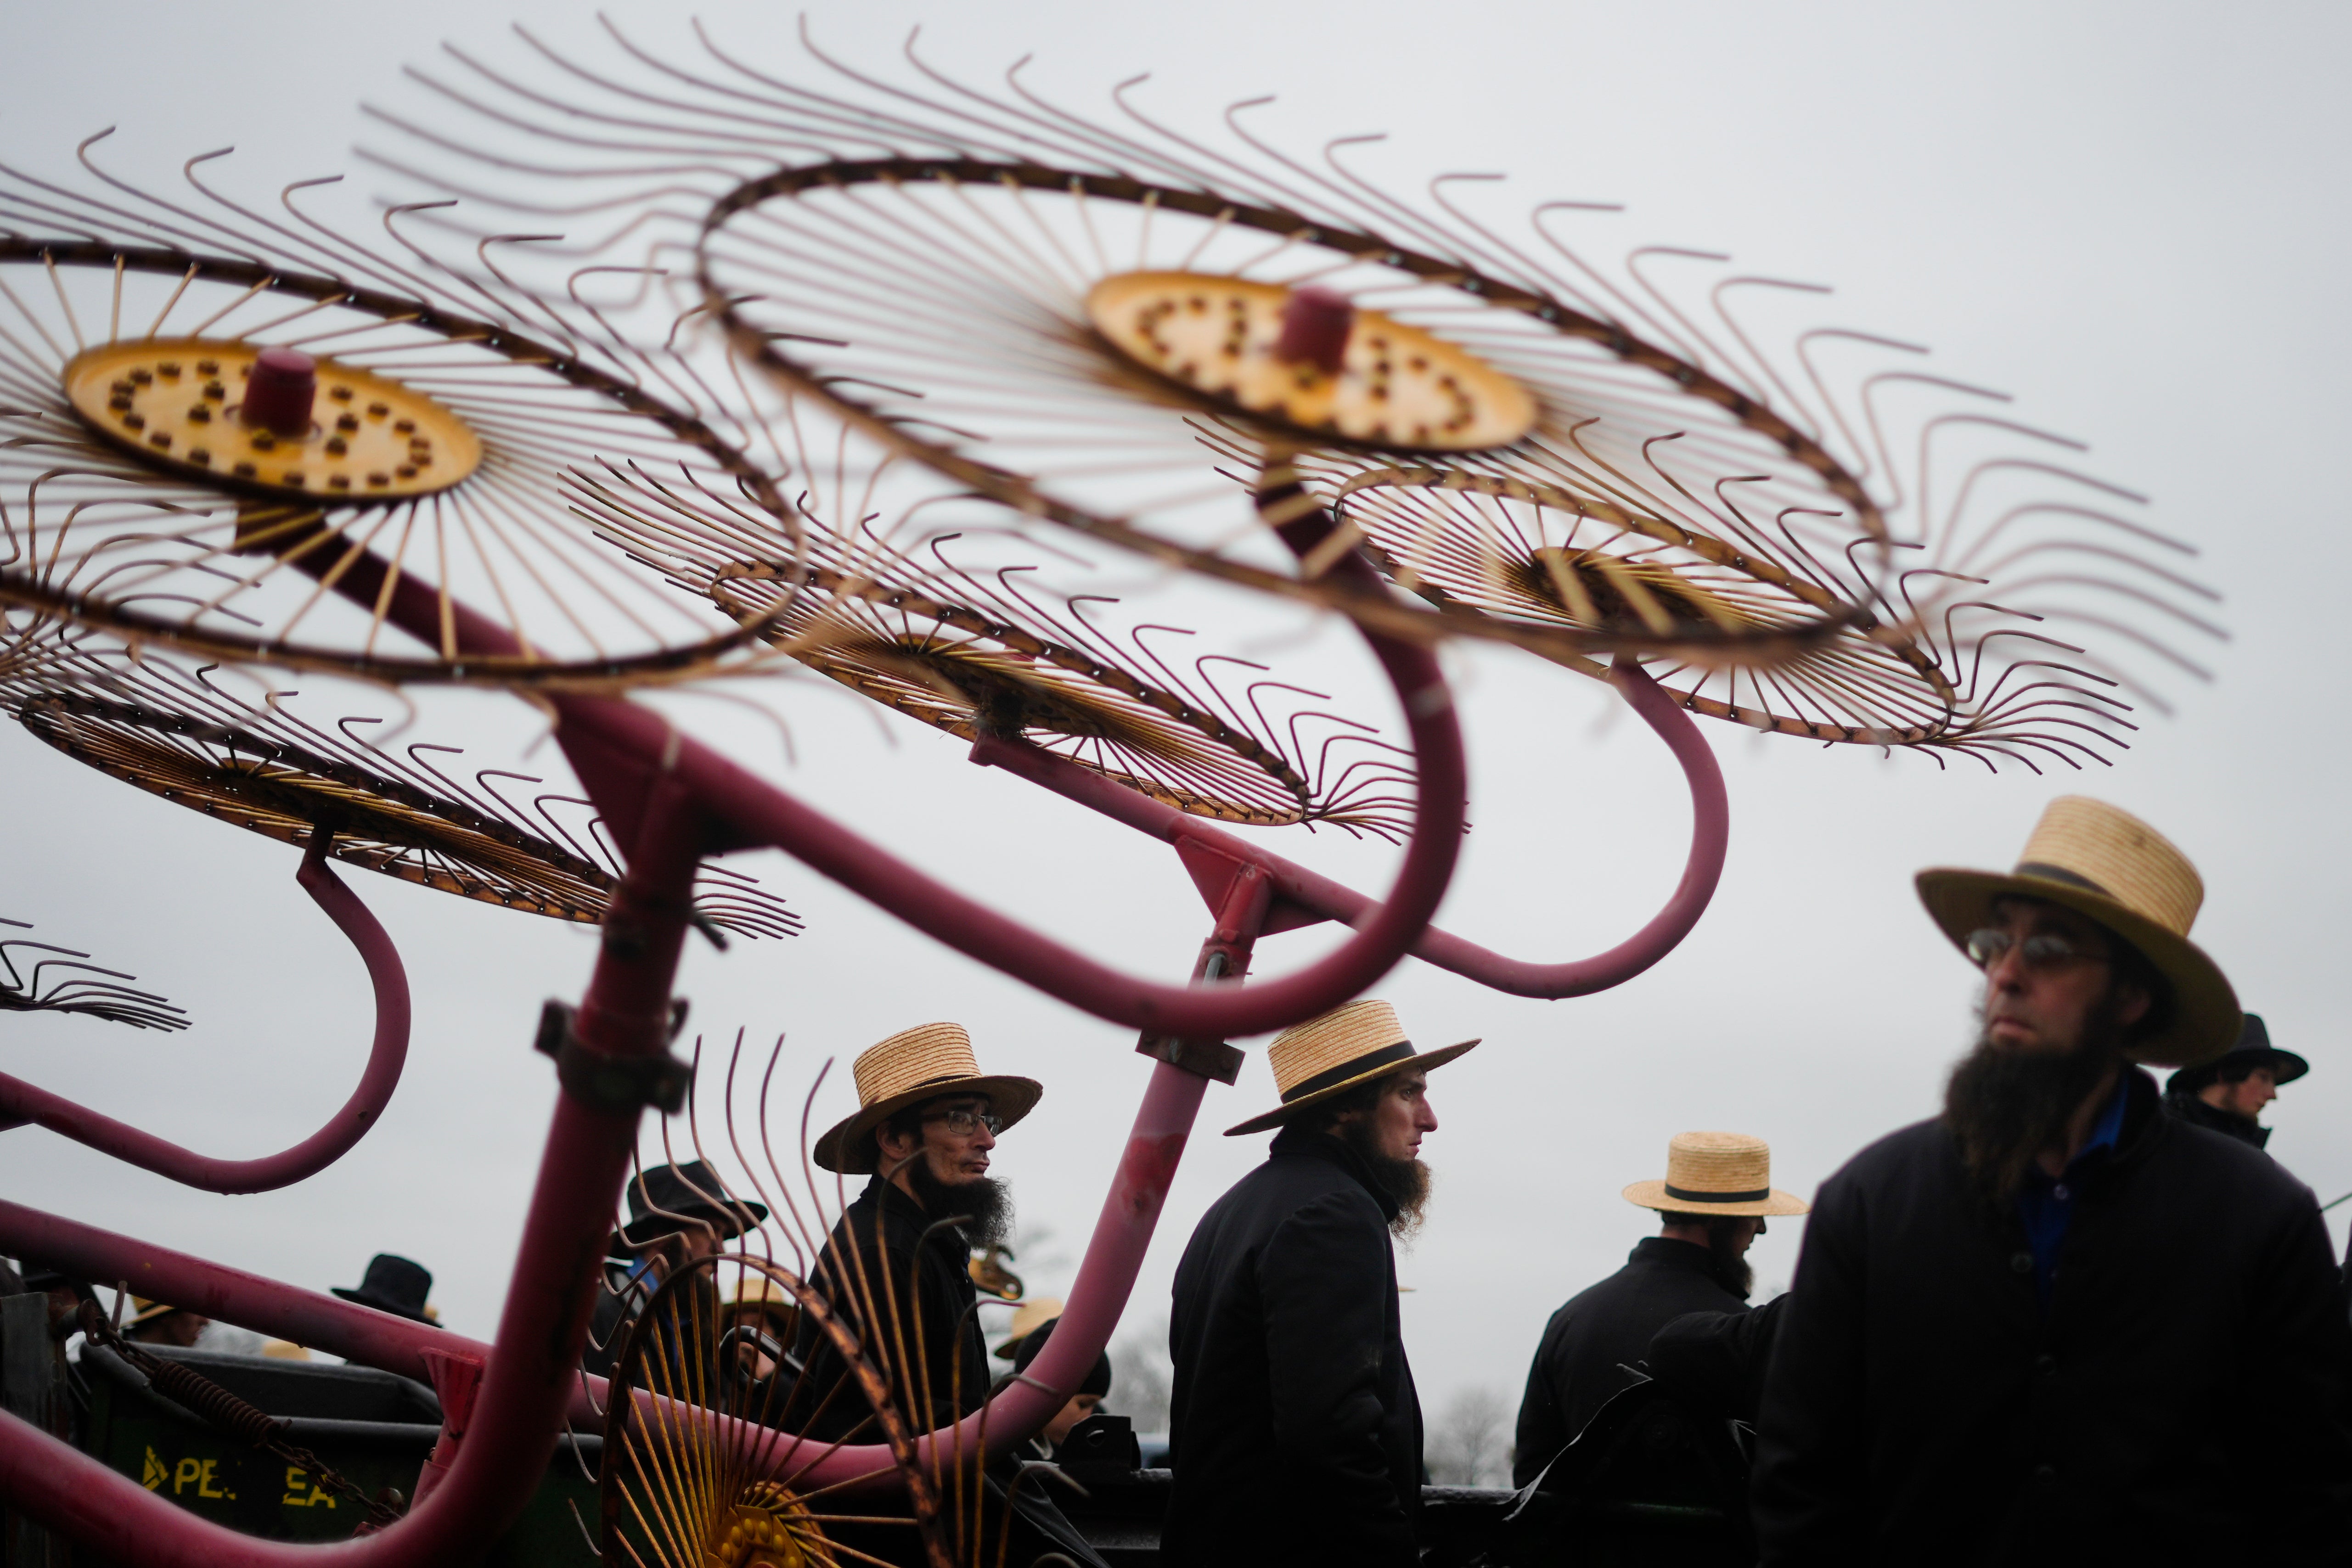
2072, 1318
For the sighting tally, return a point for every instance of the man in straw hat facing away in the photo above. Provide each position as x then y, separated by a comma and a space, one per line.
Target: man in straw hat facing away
2055, 1324
1294, 1429
926, 1119
1716, 1195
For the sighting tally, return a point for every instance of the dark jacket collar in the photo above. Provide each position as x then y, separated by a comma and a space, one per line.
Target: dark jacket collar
2198, 1113
2143, 1118
1672, 1252
1300, 1142
898, 1208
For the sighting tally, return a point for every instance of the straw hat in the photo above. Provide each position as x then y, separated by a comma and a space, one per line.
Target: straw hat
758, 1293
1351, 1044
1027, 1319
144, 1310
2110, 866
910, 1067
1716, 1173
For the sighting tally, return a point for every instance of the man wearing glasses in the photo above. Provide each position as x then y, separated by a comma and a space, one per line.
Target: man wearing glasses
2054, 1323
926, 1122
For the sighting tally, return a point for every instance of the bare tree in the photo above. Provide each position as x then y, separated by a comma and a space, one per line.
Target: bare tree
1469, 1444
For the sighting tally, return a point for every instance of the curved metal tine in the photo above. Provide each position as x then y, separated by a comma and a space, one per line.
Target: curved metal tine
722, 1199
1761, 361
776, 1208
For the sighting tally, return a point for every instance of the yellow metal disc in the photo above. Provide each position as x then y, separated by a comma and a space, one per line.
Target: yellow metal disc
176, 402
1397, 386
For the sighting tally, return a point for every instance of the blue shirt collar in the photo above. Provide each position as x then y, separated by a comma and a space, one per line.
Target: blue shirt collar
2109, 1129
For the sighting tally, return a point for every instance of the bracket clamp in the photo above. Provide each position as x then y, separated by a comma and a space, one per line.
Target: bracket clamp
1201, 1058
606, 1081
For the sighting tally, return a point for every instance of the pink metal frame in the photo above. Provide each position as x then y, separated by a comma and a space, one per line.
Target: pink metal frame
22, 1102
673, 801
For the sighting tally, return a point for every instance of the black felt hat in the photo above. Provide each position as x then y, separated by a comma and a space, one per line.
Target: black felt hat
393, 1285
669, 1198
2253, 1050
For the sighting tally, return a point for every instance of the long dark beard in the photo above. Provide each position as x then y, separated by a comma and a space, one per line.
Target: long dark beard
1731, 1265
2006, 1106
1405, 1181
985, 1203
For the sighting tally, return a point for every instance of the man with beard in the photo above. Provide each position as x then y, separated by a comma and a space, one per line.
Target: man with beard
1714, 1198
2055, 1326
897, 1268
2228, 1094
1294, 1429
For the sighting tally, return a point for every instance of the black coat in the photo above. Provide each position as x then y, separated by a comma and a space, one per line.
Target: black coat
1714, 1362
1294, 1428
2228, 1124
1604, 1329
2180, 1401
943, 1356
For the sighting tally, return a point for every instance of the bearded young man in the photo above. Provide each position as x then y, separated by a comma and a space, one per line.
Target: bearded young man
1294, 1429
926, 1122
2055, 1325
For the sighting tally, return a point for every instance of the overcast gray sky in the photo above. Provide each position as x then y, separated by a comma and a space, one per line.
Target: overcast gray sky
2131, 216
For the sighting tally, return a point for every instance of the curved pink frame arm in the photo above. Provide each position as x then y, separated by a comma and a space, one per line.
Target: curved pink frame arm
1106, 1275
1321, 897
759, 814
618, 749
21, 1101
250, 1301
533, 1375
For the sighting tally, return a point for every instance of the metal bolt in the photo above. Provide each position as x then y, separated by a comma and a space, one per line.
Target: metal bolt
279, 396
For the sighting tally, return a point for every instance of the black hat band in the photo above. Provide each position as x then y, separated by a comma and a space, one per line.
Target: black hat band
1355, 1067
2043, 871
1754, 1195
